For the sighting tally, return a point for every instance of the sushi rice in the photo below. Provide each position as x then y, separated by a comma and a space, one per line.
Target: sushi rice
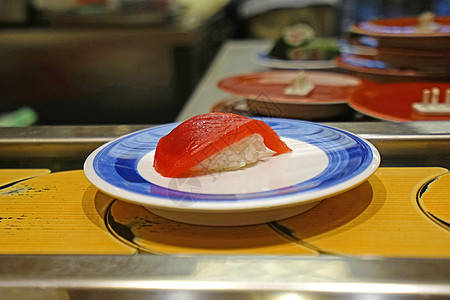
247, 151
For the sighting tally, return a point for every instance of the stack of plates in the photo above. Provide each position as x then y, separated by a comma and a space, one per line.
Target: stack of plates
264, 94
403, 51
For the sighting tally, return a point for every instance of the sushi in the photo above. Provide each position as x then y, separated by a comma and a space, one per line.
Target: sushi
215, 142
299, 42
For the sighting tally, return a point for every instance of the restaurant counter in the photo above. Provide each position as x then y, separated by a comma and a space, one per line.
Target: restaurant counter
57, 241
183, 275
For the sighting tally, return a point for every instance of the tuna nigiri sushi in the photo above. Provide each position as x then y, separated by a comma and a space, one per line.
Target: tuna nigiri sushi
215, 142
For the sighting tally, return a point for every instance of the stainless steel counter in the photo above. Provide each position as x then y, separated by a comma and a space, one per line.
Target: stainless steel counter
232, 277
220, 277
65, 147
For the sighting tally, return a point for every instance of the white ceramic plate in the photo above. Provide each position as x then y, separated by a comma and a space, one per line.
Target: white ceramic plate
263, 60
325, 161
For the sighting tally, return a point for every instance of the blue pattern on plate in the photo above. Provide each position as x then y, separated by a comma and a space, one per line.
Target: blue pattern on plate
364, 62
348, 156
368, 26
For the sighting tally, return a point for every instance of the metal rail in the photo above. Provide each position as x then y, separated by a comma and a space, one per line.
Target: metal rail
222, 277
66, 147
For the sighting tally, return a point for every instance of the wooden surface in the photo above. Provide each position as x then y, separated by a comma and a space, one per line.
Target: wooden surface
436, 200
155, 234
10, 176
60, 213
391, 214
380, 217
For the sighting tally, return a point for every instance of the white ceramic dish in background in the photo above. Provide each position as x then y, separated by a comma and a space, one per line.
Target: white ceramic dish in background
325, 161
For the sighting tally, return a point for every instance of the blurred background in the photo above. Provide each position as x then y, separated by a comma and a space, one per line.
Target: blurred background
138, 61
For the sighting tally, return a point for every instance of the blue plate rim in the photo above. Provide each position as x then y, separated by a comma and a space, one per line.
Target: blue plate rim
234, 203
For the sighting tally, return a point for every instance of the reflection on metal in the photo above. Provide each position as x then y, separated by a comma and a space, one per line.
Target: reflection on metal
223, 277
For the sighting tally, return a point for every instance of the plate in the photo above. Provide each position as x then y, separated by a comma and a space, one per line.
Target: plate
401, 27
378, 70
264, 94
330, 88
393, 101
333, 113
358, 46
401, 32
248, 108
325, 161
235, 105
264, 60
420, 60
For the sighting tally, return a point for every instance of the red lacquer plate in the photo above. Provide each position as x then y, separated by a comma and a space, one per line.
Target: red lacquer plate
378, 71
432, 62
393, 101
402, 33
330, 88
249, 108
401, 27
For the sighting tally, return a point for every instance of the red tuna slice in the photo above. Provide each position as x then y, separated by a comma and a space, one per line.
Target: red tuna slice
204, 135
